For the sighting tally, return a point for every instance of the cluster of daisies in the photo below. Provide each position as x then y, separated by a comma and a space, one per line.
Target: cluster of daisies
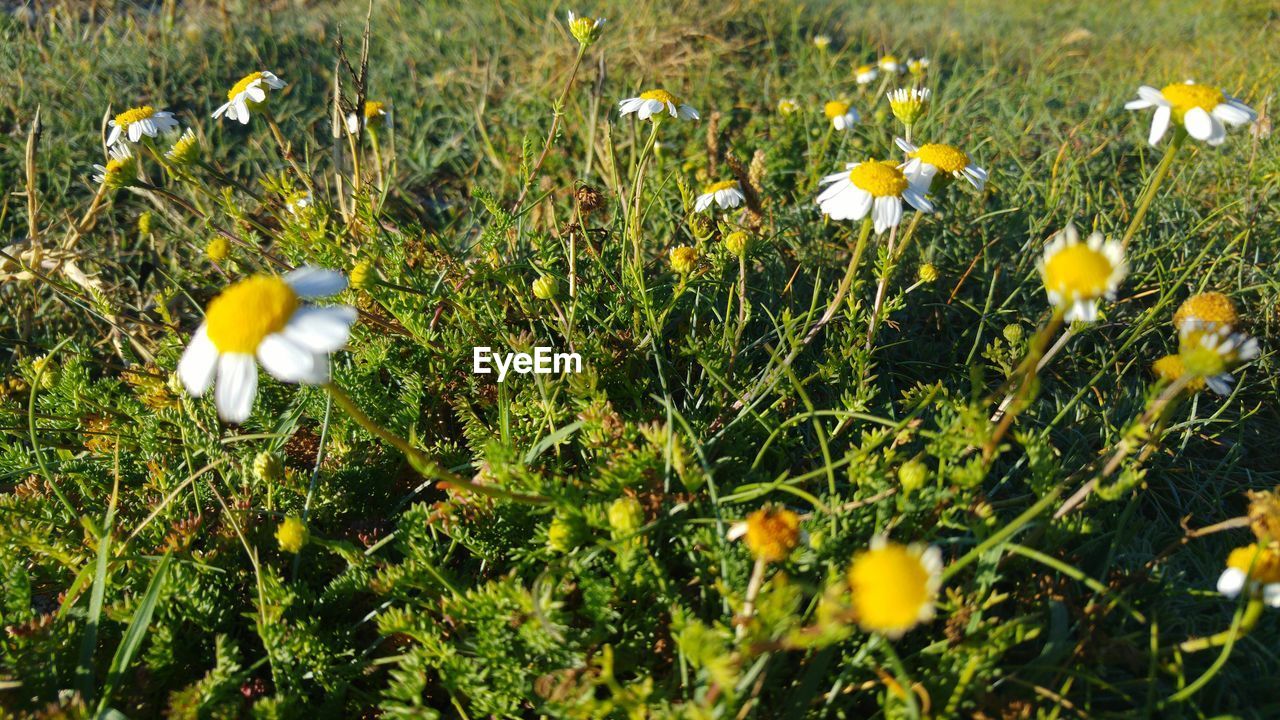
263, 319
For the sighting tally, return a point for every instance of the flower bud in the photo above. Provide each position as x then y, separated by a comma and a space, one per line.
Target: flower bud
546, 287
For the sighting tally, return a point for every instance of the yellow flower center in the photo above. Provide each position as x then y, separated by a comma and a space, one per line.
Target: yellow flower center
947, 158
722, 185
880, 178
248, 311
292, 534
1210, 307
373, 109
243, 85
1261, 563
835, 109
1078, 271
772, 534
890, 588
863, 69
661, 96
684, 259
1185, 97
133, 115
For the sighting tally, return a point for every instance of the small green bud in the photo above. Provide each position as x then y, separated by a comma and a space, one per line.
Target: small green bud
927, 273
625, 516
1013, 333
566, 532
737, 242
268, 467
912, 475
546, 287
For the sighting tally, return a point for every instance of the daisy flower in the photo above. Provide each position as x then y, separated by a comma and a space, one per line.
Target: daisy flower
909, 104
135, 123
890, 64
684, 259
726, 194
248, 94
787, 106
822, 42
841, 114
185, 150
585, 30
770, 533
865, 74
1255, 568
1076, 275
1211, 351
894, 587
1205, 310
263, 316
1201, 109
918, 66
875, 187
376, 114
932, 158
653, 103
120, 171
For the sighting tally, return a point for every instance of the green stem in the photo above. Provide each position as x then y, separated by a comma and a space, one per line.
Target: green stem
1243, 622
425, 466
1003, 534
1157, 179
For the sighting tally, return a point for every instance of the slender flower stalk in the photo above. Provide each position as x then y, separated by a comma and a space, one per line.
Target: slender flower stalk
425, 466
1157, 179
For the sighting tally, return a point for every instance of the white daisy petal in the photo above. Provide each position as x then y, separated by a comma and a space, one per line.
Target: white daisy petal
199, 362
289, 361
1199, 123
237, 386
313, 282
1159, 124
1231, 581
321, 329
1271, 594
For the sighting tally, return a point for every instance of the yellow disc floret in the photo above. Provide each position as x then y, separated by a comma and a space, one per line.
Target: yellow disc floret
1259, 562
243, 85
684, 259
248, 311
1185, 97
1078, 271
880, 178
1170, 368
891, 588
722, 185
133, 115
661, 96
1210, 308
292, 535
835, 109
772, 534
947, 158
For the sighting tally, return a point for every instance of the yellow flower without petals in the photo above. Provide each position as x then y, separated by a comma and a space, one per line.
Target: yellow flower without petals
772, 533
1209, 308
684, 259
292, 535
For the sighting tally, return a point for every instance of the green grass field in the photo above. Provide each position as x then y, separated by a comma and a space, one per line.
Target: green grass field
398, 536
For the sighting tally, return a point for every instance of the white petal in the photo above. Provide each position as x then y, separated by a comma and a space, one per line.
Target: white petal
886, 213
289, 361
313, 282
114, 136
688, 113
904, 146
1152, 95
198, 363
1138, 105
703, 202
1198, 123
222, 110
1231, 581
1159, 124
917, 200
255, 93
1219, 133
1271, 594
1082, 311
321, 329
237, 386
